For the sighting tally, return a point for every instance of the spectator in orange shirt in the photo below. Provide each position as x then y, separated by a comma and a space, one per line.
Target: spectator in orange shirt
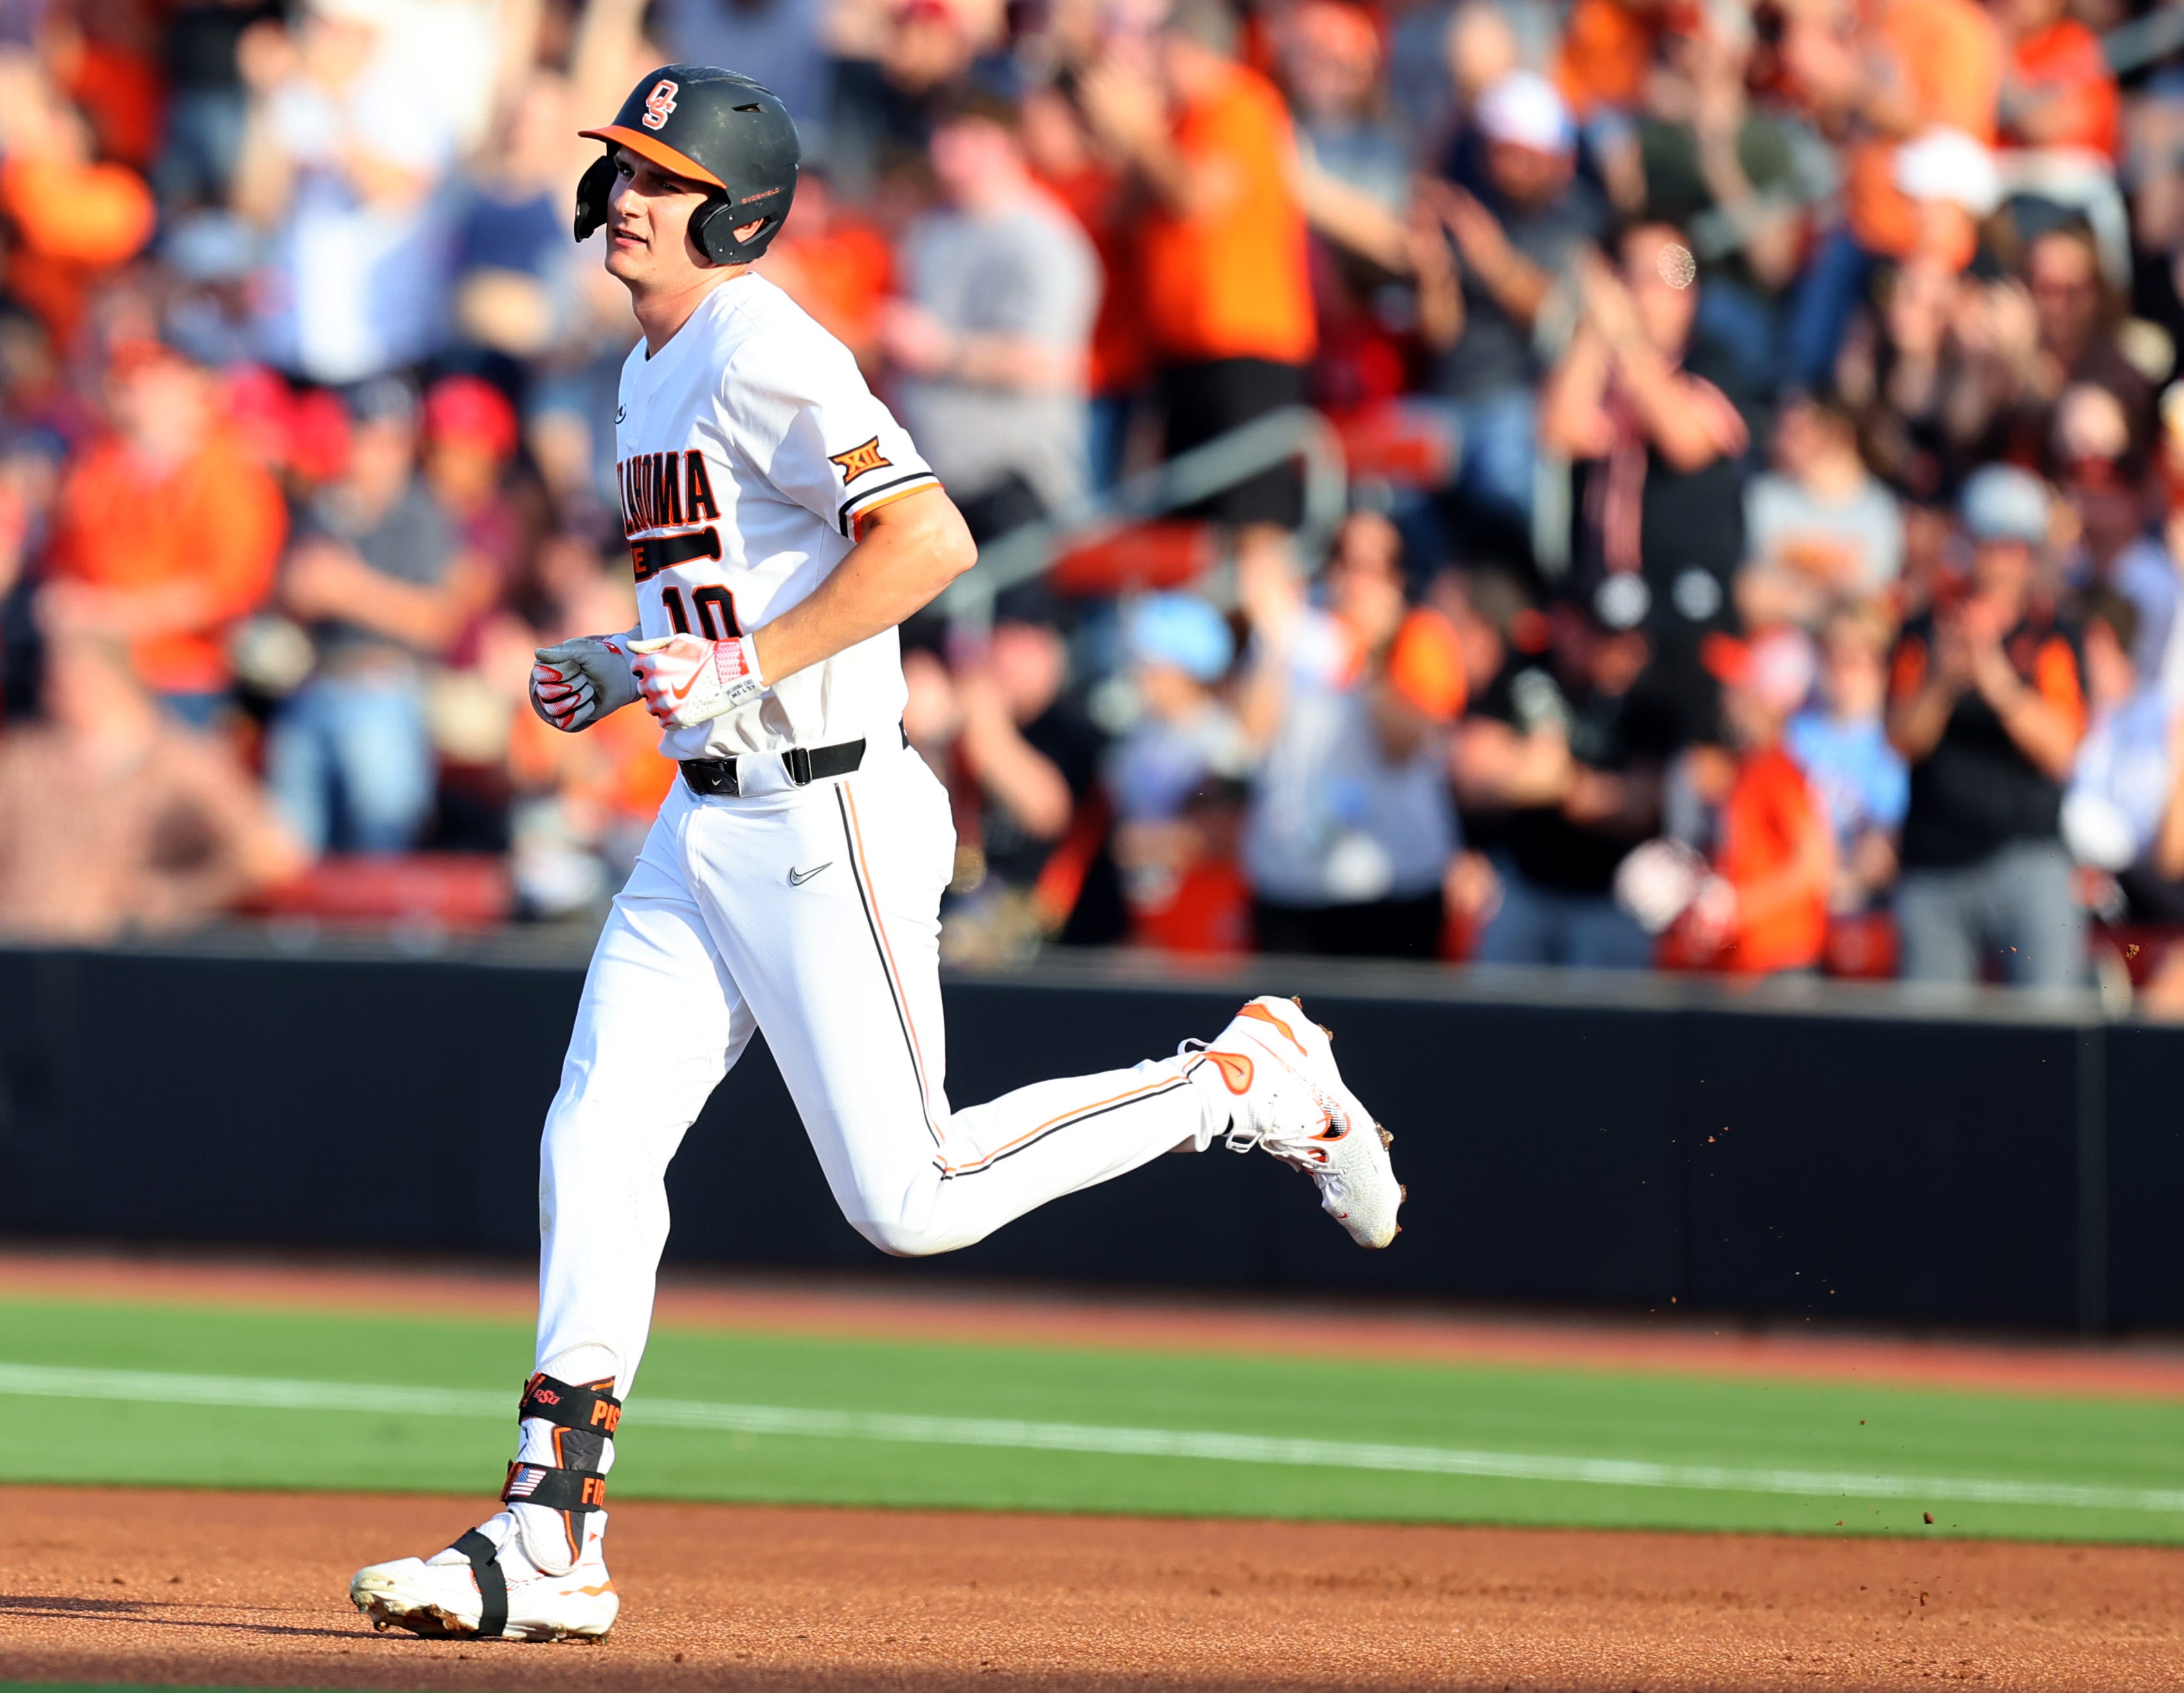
1774, 849
70, 215
1223, 252
2058, 91
167, 533
1923, 71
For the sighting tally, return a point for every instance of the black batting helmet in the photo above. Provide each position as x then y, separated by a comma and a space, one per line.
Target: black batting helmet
724, 132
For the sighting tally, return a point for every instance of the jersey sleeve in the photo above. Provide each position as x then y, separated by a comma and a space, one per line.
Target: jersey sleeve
803, 417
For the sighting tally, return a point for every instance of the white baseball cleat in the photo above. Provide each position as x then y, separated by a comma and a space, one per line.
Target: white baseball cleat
1291, 1100
486, 1584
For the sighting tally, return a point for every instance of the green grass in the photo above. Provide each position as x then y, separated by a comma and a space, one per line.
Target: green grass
1799, 1426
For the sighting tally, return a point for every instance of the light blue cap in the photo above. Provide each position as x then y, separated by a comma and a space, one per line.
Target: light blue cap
1182, 630
2001, 503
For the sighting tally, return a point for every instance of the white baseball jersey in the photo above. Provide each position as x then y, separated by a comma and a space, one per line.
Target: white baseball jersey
748, 450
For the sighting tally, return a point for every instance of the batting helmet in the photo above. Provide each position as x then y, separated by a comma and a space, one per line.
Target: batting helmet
724, 131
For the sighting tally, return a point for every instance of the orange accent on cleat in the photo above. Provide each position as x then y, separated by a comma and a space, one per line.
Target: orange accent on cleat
1235, 1070
1264, 1016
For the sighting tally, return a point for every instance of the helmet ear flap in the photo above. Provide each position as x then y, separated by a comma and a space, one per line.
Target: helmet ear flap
592, 190
714, 226
710, 229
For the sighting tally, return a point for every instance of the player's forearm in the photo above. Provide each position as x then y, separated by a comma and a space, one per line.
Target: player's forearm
910, 550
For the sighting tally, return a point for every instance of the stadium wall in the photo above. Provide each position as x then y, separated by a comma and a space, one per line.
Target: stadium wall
1794, 1151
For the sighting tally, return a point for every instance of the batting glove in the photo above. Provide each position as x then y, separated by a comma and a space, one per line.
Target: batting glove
575, 683
688, 680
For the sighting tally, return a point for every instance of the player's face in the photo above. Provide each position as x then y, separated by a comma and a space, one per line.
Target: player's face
649, 213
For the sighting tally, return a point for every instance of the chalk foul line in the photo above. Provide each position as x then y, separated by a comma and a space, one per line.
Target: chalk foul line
261, 1393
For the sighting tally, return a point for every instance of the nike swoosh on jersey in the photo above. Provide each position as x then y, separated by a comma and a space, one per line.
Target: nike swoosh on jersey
797, 878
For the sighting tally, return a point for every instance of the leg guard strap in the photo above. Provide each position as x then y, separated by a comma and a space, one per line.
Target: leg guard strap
567, 1405
558, 1490
492, 1584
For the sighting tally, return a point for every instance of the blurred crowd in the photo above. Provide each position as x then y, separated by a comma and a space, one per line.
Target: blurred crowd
1765, 493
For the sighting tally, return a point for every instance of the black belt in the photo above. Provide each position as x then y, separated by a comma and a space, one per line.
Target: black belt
717, 777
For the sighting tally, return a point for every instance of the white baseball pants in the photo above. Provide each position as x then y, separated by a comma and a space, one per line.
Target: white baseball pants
712, 939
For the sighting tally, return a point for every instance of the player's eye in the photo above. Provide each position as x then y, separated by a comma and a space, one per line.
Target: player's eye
624, 168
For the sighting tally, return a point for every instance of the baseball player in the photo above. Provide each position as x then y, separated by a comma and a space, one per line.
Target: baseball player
780, 525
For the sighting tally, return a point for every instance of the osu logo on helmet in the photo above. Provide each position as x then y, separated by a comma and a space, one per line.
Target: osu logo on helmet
660, 103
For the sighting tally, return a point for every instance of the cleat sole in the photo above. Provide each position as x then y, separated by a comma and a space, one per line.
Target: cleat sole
434, 1622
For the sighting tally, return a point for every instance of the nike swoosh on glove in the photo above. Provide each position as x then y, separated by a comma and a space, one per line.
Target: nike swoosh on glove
687, 680
575, 683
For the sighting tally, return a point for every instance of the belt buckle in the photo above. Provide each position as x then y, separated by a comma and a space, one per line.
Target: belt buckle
798, 760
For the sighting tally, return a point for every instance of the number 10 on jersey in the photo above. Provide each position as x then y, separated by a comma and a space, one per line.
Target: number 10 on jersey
716, 607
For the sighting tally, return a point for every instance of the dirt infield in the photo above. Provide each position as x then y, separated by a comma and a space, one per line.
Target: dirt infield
126, 1585
873, 1309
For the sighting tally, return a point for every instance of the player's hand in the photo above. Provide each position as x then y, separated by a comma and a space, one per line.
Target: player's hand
687, 680
575, 683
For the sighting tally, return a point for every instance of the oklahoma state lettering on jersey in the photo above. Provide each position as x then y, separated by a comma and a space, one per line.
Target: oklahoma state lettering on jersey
657, 488
747, 453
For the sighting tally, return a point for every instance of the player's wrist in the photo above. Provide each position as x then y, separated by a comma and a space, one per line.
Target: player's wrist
736, 665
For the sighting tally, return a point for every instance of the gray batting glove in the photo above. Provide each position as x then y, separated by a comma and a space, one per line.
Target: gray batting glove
575, 683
